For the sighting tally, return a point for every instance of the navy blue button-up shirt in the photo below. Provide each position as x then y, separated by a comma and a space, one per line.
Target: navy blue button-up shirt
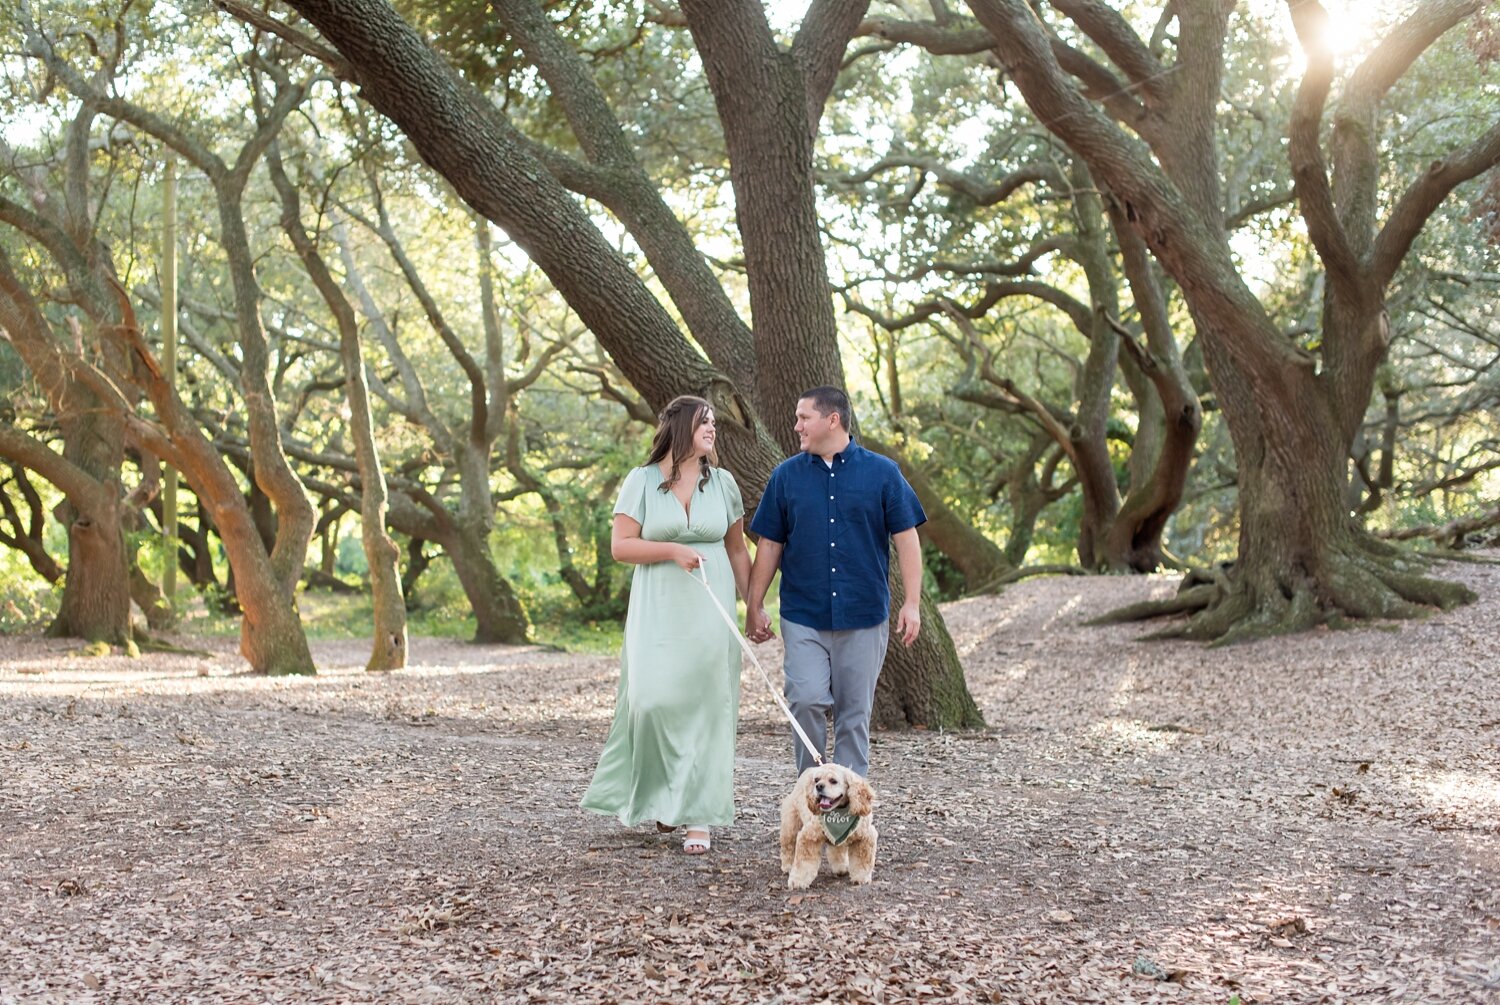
835, 525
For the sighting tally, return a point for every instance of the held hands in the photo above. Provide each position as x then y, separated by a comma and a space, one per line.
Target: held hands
909, 622
758, 625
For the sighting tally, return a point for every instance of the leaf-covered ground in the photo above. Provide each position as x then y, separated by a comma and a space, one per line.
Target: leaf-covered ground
1314, 819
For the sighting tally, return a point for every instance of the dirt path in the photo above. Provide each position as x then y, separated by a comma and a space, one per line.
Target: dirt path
1304, 820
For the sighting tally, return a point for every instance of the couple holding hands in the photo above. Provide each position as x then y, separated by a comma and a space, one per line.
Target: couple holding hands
827, 520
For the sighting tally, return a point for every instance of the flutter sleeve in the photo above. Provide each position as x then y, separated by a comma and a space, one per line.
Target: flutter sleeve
631, 501
734, 502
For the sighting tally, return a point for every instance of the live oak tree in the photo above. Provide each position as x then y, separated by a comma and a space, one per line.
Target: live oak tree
770, 100
1114, 534
96, 594
1146, 126
390, 643
272, 638
96, 590
467, 442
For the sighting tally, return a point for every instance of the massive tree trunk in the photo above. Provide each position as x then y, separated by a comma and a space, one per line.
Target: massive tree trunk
1302, 560
770, 101
95, 607
498, 614
496, 171
1292, 415
908, 693
96, 595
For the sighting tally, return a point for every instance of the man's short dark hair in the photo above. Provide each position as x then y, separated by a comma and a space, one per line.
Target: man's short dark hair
830, 399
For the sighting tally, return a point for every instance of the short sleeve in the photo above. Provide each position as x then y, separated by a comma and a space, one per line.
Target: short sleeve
903, 510
770, 516
631, 501
734, 503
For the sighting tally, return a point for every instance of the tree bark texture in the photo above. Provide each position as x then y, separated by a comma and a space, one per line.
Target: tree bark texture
271, 636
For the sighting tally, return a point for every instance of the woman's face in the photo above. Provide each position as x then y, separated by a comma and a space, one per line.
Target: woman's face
704, 434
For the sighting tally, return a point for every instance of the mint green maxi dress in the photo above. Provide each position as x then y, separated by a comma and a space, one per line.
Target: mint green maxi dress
669, 755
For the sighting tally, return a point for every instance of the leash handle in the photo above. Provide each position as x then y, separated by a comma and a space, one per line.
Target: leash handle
702, 579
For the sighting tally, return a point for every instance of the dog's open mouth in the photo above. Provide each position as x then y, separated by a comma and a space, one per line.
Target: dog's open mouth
824, 803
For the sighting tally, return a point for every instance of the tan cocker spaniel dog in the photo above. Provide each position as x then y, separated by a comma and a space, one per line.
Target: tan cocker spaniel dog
829, 806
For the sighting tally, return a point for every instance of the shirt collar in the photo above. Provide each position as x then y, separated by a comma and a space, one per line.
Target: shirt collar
847, 454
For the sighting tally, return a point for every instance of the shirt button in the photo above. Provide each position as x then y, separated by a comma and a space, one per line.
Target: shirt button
835, 593
830, 519
835, 569
830, 544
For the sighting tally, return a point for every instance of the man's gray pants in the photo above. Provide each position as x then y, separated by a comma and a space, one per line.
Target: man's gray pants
833, 670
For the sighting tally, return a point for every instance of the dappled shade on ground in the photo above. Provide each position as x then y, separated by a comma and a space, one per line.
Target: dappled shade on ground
1301, 817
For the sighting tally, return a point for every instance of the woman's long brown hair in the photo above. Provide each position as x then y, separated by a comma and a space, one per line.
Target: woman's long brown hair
674, 437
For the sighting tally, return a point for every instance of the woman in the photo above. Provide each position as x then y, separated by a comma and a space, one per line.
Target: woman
669, 756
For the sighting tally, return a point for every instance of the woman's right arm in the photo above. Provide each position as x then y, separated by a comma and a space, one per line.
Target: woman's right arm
627, 545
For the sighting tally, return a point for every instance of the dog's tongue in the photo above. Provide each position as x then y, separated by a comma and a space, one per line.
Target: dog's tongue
824, 804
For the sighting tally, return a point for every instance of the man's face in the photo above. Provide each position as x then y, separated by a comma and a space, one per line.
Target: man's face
815, 431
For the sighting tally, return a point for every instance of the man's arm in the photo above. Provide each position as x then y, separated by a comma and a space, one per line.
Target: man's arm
767, 560
909, 559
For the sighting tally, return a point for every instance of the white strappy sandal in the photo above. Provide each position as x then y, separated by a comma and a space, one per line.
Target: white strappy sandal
694, 844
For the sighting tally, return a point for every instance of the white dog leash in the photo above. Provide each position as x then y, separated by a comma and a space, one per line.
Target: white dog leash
745, 645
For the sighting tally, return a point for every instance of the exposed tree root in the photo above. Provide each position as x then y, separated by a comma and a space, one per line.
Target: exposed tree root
1452, 555
1026, 572
1193, 599
1365, 580
151, 644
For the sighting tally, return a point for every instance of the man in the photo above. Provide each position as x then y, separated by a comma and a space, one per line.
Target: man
827, 519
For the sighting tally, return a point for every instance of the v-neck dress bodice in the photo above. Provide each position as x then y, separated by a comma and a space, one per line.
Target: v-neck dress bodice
669, 755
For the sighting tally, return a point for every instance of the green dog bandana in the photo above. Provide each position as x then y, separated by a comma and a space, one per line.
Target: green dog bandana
838, 825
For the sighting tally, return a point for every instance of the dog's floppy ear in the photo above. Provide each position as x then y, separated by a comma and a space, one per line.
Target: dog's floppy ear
809, 797
861, 796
